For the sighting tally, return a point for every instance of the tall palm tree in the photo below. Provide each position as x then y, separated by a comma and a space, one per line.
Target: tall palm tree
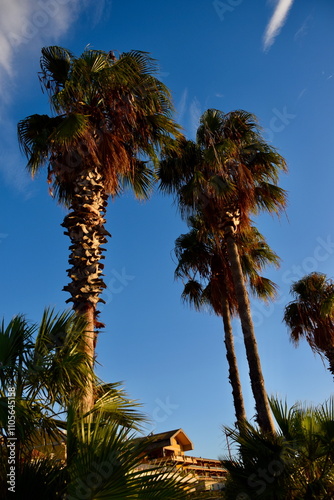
110, 116
311, 314
205, 265
228, 174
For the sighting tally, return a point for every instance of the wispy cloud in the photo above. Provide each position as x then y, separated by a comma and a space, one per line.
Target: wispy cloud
195, 114
102, 11
181, 107
301, 94
303, 30
12, 163
276, 22
26, 24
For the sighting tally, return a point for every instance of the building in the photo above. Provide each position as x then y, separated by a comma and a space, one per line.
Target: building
164, 449
168, 448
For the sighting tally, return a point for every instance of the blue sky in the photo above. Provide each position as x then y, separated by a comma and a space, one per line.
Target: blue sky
274, 59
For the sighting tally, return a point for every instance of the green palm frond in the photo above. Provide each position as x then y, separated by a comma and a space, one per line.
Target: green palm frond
193, 294
311, 315
72, 127
298, 459
15, 351
140, 179
115, 456
55, 64
95, 61
140, 61
34, 138
270, 198
114, 404
262, 287
41, 478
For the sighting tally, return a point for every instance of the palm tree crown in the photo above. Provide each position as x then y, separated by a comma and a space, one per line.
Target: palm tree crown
109, 113
230, 168
311, 314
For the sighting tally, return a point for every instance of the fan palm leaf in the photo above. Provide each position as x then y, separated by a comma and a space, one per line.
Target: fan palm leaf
311, 315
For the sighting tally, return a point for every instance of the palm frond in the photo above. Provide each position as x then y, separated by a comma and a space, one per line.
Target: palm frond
140, 179
55, 64
34, 139
115, 456
70, 128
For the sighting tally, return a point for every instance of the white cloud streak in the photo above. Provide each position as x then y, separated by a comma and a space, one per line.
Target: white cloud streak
27, 24
276, 22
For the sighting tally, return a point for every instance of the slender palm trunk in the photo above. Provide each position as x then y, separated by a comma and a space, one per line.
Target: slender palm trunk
264, 416
85, 227
233, 370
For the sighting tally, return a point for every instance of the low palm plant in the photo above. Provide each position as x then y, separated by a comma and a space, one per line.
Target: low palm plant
44, 369
42, 374
297, 462
103, 461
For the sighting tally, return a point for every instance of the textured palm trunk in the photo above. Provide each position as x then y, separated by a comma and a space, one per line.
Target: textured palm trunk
233, 370
264, 416
85, 227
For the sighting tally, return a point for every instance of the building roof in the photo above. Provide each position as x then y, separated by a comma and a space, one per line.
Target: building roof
163, 439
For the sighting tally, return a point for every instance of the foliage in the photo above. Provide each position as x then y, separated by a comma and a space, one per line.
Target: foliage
229, 174
229, 167
103, 462
203, 261
297, 462
311, 314
110, 113
47, 369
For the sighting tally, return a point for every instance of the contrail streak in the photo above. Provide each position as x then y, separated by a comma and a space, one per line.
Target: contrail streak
276, 22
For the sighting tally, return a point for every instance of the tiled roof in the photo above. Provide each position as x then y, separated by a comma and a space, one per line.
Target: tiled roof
162, 436
163, 439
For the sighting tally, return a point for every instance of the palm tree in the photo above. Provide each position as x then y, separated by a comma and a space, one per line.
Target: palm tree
39, 376
311, 314
229, 173
43, 372
45, 365
296, 462
110, 116
199, 258
103, 461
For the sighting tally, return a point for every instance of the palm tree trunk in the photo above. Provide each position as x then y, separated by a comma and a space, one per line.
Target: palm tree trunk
233, 370
85, 227
264, 416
